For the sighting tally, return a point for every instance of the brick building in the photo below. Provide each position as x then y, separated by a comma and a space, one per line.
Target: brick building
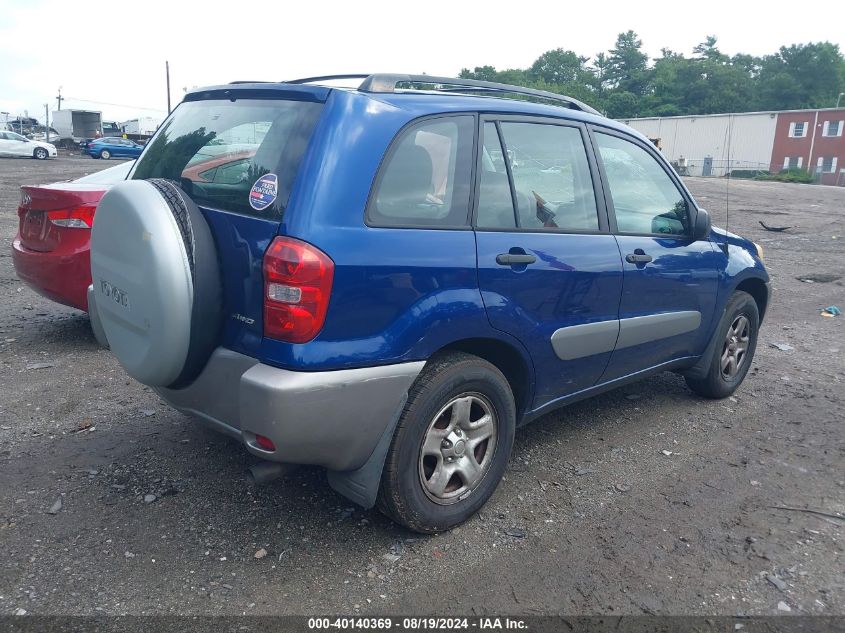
811, 140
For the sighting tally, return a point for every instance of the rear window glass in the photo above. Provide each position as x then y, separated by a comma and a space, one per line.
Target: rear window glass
239, 156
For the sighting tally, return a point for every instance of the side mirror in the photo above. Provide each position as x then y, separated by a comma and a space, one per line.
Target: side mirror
701, 226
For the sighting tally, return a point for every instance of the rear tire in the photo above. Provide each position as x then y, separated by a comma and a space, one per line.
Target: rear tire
40, 153
106, 154
451, 445
734, 350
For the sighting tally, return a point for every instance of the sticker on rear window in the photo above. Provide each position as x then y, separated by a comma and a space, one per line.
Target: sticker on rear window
264, 192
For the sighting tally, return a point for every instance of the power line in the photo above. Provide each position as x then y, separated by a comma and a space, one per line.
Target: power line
118, 105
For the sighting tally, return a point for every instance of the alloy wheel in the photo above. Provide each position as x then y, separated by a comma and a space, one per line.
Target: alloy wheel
458, 448
735, 347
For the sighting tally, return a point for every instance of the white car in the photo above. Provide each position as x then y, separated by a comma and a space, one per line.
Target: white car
13, 144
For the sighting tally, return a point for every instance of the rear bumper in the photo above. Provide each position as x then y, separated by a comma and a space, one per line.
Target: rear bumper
61, 277
333, 419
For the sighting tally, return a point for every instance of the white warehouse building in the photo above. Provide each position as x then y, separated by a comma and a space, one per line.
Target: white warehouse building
712, 144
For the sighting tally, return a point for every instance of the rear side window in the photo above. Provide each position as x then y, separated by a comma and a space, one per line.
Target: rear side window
425, 180
495, 202
551, 179
240, 156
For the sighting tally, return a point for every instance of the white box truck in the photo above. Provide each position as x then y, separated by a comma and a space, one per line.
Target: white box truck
141, 128
74, 126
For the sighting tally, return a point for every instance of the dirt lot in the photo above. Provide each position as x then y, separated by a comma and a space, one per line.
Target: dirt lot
593, 517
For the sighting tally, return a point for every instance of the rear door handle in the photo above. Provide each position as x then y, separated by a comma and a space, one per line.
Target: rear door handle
638, 258
511, 259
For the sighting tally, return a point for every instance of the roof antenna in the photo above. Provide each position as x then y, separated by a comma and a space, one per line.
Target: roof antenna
728, 135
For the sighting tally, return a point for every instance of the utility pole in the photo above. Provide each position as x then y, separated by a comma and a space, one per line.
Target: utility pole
167, 71
812, 144
59, 98
839, 98
47, 121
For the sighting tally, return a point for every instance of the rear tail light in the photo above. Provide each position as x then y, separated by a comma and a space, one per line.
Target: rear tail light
297, 285
75, 218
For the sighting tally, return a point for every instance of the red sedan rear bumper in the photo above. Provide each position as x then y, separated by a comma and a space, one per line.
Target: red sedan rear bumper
61, 275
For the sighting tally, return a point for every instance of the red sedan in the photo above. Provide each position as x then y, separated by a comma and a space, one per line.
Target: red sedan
51, 250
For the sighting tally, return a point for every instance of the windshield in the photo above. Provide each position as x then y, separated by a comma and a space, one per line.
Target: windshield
240, 156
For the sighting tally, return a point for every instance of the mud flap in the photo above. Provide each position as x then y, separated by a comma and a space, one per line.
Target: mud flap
702, 365
361, 485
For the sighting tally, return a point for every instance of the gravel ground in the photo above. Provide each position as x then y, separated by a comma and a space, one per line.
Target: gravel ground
592, 518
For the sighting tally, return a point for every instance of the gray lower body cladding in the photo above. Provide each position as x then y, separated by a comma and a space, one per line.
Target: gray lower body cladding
333, 419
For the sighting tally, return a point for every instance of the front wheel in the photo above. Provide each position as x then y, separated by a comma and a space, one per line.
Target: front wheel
40, 153
105, 154
451, 446
734, 350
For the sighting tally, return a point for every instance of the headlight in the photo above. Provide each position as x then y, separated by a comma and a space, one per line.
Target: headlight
759, 250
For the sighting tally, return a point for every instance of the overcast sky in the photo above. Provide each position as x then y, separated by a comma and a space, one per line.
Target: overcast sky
109, 55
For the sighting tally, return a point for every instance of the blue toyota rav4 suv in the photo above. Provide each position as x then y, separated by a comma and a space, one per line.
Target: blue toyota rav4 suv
388, 280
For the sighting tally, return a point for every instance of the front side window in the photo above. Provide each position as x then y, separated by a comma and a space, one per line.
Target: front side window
255, 144
833, 128
425, 180
645, 199
551, 179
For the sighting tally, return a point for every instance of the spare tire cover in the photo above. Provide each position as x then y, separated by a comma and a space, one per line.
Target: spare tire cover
156, 281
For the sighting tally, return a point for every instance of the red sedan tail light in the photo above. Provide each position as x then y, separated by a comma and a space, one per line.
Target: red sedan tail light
75, 218
297, 285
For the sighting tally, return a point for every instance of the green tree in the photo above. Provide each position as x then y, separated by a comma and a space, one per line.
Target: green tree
623, 84
708, 50
629, 64
622, 105
559, 67
811, 75
601, 74
482, 73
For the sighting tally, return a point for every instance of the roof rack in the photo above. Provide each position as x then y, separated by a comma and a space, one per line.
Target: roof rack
311, 80
387, 83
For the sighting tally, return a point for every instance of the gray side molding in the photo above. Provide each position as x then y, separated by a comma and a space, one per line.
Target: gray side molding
578, 341
644, 329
